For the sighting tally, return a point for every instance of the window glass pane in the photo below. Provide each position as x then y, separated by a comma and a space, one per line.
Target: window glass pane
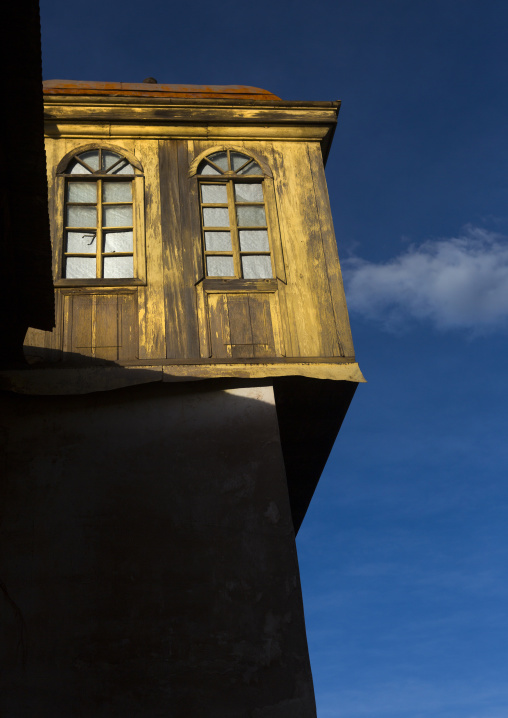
109, 158
251, 169
214, 193
206, 169
75, 168
218, 241
115, 267
91, 158
81, 216
220, 267
220, 159
117, 216
124, 168
118, 241
80, 268
237, 160
117, 191
81, 242
215, 217
254, 240
257, 267
248, 192
251, 216
81, 191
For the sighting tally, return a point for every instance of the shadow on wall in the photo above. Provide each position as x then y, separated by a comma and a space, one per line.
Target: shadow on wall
148, 549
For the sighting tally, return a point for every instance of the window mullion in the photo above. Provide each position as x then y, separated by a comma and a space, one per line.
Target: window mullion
98, 243
234, 229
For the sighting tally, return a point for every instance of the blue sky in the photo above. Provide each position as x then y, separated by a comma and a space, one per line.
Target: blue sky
403, 553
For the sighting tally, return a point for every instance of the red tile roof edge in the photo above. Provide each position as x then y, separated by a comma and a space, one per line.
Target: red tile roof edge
145, 89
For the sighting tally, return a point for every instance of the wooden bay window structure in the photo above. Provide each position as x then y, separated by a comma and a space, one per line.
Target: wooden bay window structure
202, 220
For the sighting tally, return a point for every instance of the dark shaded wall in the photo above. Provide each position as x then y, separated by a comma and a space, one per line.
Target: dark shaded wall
310, 414
148, 562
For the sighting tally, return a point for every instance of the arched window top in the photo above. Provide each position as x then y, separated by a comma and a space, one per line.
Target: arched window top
229, 162
99, 161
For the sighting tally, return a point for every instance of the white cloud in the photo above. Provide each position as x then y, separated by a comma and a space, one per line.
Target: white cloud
458, 282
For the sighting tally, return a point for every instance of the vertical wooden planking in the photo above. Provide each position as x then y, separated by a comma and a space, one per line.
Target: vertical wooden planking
242, 351
81, 326
279, 320
190, 237
152, 343
195, 220
330, 250
53, 155
258, 319
106, 327
292, 313
66, 325
219, 326
261, 323
240, 326
308, 297
179, 239
139, 223
203, 323
239, 319
205, 340
171, 248
127, 326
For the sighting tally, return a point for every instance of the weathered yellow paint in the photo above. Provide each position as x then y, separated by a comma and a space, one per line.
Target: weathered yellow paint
299, 318
308, 298
333, 270
209, 132
101, 111
151, 296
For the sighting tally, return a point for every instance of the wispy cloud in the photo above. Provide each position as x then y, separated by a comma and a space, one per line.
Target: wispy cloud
453, 283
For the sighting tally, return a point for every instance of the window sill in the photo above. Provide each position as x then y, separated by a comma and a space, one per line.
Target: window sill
99, 283
239, 285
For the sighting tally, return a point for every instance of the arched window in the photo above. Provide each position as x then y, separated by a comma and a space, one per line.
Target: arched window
236, 240
101, 226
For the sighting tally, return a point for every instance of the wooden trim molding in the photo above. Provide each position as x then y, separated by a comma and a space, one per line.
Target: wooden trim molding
62, 165
211, 285
193, 168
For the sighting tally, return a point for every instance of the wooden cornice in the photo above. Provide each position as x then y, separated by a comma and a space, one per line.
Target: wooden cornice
163, 117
